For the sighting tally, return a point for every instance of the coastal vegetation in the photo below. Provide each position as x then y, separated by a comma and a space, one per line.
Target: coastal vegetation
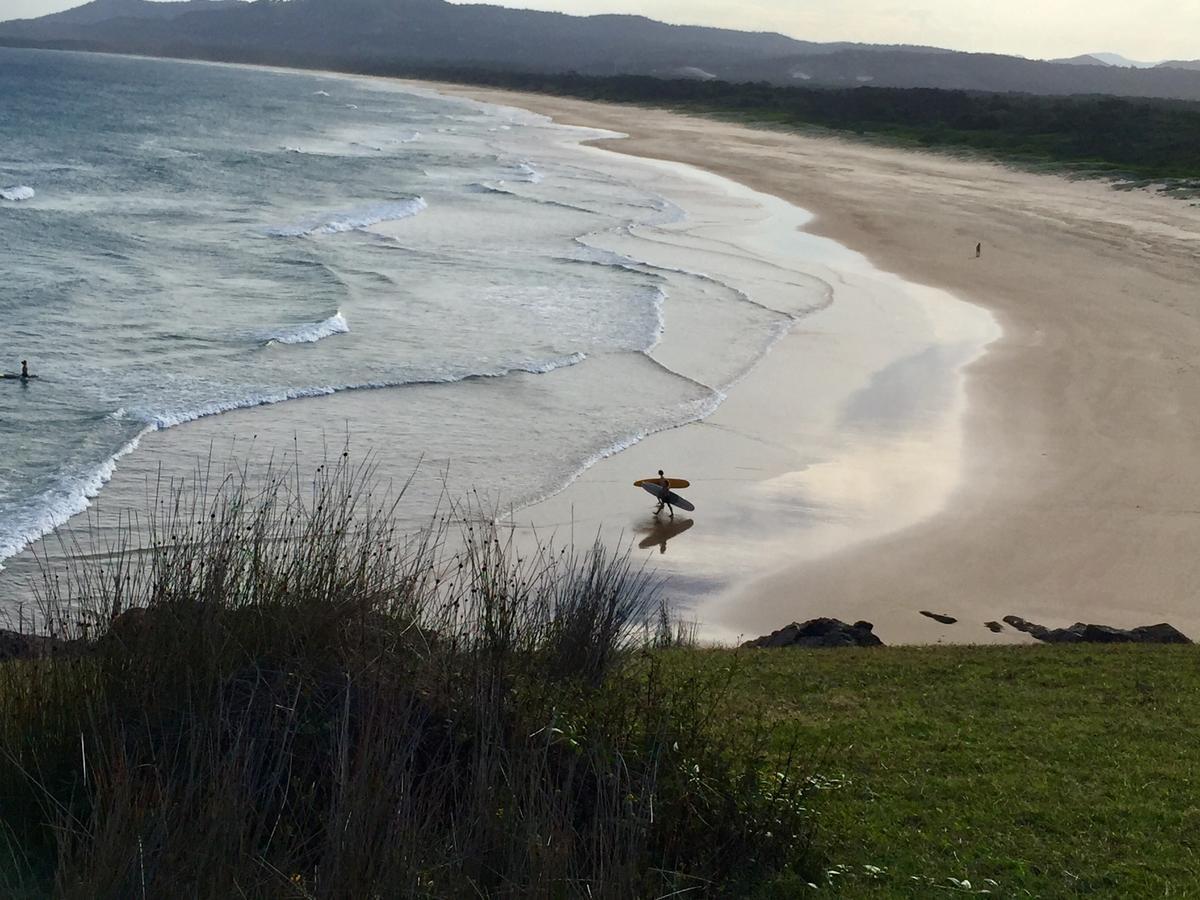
280, 695
1128, 138
277, 694
1013, 771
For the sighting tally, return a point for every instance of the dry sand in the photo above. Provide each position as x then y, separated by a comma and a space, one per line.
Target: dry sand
1079, 497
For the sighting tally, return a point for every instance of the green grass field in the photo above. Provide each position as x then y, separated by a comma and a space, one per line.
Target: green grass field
1024, 771
288, 699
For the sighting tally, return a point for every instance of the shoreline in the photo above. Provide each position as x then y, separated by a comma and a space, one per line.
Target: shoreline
835, 352
866, 442
1077, 502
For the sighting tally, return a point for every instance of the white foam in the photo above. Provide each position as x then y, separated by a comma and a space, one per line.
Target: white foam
320, 93
542, 368
310, 332
171, 418
68, 498
658, 301
73, 493
483, 187
16, 193
353, 219
528, 174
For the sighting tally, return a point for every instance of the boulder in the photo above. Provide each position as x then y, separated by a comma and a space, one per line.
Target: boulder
1085, 633
1027, 627
939, 617
1103, 634
819, 633
14, 645
1058, 635
1162, 633
994, 627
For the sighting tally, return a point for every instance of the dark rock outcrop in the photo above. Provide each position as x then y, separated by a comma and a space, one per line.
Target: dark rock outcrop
14, 645
939, 617
1162, 633
1083, 633
994, 627
820, 633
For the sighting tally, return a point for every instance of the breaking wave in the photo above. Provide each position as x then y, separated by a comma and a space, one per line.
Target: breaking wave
310, 332
528, 174
353, 219
73, 492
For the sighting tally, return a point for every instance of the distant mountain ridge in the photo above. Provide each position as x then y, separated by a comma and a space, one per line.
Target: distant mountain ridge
1116, 59
103, 10
1085, 59
403, 36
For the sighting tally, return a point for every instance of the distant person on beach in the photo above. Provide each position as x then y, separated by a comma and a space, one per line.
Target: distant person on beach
24, 368
665, 483
979, 250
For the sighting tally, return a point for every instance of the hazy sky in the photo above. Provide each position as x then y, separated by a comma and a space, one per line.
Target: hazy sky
1146, 29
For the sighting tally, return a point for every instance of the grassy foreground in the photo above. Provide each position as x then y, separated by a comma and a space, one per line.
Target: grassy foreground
281, 697
275, 694
1043, 771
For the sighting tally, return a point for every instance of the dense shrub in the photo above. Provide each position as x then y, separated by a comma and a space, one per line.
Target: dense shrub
1138, 137
281, 696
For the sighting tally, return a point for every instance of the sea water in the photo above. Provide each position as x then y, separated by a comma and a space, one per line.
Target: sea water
180, 240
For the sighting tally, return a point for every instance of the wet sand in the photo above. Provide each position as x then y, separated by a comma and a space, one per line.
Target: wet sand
849, 427
1053, 481
1079, 498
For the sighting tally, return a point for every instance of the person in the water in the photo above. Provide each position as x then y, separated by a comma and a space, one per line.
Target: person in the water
24, 368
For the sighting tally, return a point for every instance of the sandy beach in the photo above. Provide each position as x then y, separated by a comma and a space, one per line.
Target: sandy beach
878, 461
1078, 498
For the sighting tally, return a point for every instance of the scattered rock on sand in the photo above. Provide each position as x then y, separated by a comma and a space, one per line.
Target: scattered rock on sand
820, 633
1083, 633
994, 627
939, 617
1021, 625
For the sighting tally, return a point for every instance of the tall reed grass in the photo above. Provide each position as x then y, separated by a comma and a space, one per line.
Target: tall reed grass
274, 693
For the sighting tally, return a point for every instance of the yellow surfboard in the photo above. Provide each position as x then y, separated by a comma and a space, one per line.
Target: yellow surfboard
672, 482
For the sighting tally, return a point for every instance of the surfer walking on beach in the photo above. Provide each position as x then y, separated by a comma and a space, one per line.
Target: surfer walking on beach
665, 483
979, 250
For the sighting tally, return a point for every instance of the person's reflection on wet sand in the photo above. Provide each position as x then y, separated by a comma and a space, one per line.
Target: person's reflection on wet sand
660, 532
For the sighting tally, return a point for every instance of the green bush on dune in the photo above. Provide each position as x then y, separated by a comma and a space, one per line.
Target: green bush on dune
283, 697
1138, 138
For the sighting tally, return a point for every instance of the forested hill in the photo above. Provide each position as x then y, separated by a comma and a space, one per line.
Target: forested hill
1129, 139
307, 32
357, 34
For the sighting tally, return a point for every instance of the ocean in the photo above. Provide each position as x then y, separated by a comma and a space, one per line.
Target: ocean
181, 240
